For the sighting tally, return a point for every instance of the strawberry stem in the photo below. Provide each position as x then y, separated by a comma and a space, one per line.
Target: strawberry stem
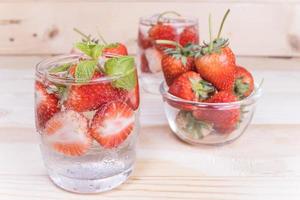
168, 42
210, 34
101, 37
87, 37
159, 18
222, 23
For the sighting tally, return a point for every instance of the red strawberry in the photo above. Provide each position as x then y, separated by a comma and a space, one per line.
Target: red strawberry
244, 83
143, 41
216, 61
173, 67
67, 132
115, 49
46, 104
134, 97
224, 120
91, 96
190, 86
189, 35
161, 31
112, 124
175, 62
218, 68
144, 64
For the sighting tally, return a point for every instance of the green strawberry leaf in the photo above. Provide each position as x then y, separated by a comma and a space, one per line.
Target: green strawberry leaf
192, 127
123, 67
240, 88
203, 89
184, 60
85, 70
60, 68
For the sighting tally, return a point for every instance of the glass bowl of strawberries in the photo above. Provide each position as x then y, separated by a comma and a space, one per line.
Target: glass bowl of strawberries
208, 98
168, 25
86, 111
219, 119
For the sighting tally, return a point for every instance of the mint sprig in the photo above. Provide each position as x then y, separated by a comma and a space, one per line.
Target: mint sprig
90, 47
85, 70
92, 50
123, 67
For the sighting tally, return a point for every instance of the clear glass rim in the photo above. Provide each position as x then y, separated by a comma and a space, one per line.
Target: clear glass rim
152, 20
67, 58
247, 101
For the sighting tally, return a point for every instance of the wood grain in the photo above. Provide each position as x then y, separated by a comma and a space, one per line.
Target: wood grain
45, 27
263, 164
169, 169
161, 188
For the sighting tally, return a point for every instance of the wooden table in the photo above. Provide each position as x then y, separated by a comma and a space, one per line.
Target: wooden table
263, 164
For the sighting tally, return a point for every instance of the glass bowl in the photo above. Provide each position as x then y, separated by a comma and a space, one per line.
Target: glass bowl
208, 123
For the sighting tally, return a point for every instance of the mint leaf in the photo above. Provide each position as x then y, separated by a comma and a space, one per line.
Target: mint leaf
92, 50
60, 68
123, 67
85, 70
97, 51
84, 48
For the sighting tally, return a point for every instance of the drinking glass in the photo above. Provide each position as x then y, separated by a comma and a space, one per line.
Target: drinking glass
87, 130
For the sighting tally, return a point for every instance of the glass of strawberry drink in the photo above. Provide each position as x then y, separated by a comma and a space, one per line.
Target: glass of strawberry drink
86, 110
165, 26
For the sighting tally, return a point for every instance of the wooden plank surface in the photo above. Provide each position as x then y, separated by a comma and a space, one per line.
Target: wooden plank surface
263, 164
169, 169
45, 27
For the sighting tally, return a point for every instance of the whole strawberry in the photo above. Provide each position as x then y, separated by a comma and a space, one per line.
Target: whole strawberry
92, 47
244, 83
216, 62
189, 35
224, 120
190, 86
192, 127
176, 62
162, 30
86, 97
115, 49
